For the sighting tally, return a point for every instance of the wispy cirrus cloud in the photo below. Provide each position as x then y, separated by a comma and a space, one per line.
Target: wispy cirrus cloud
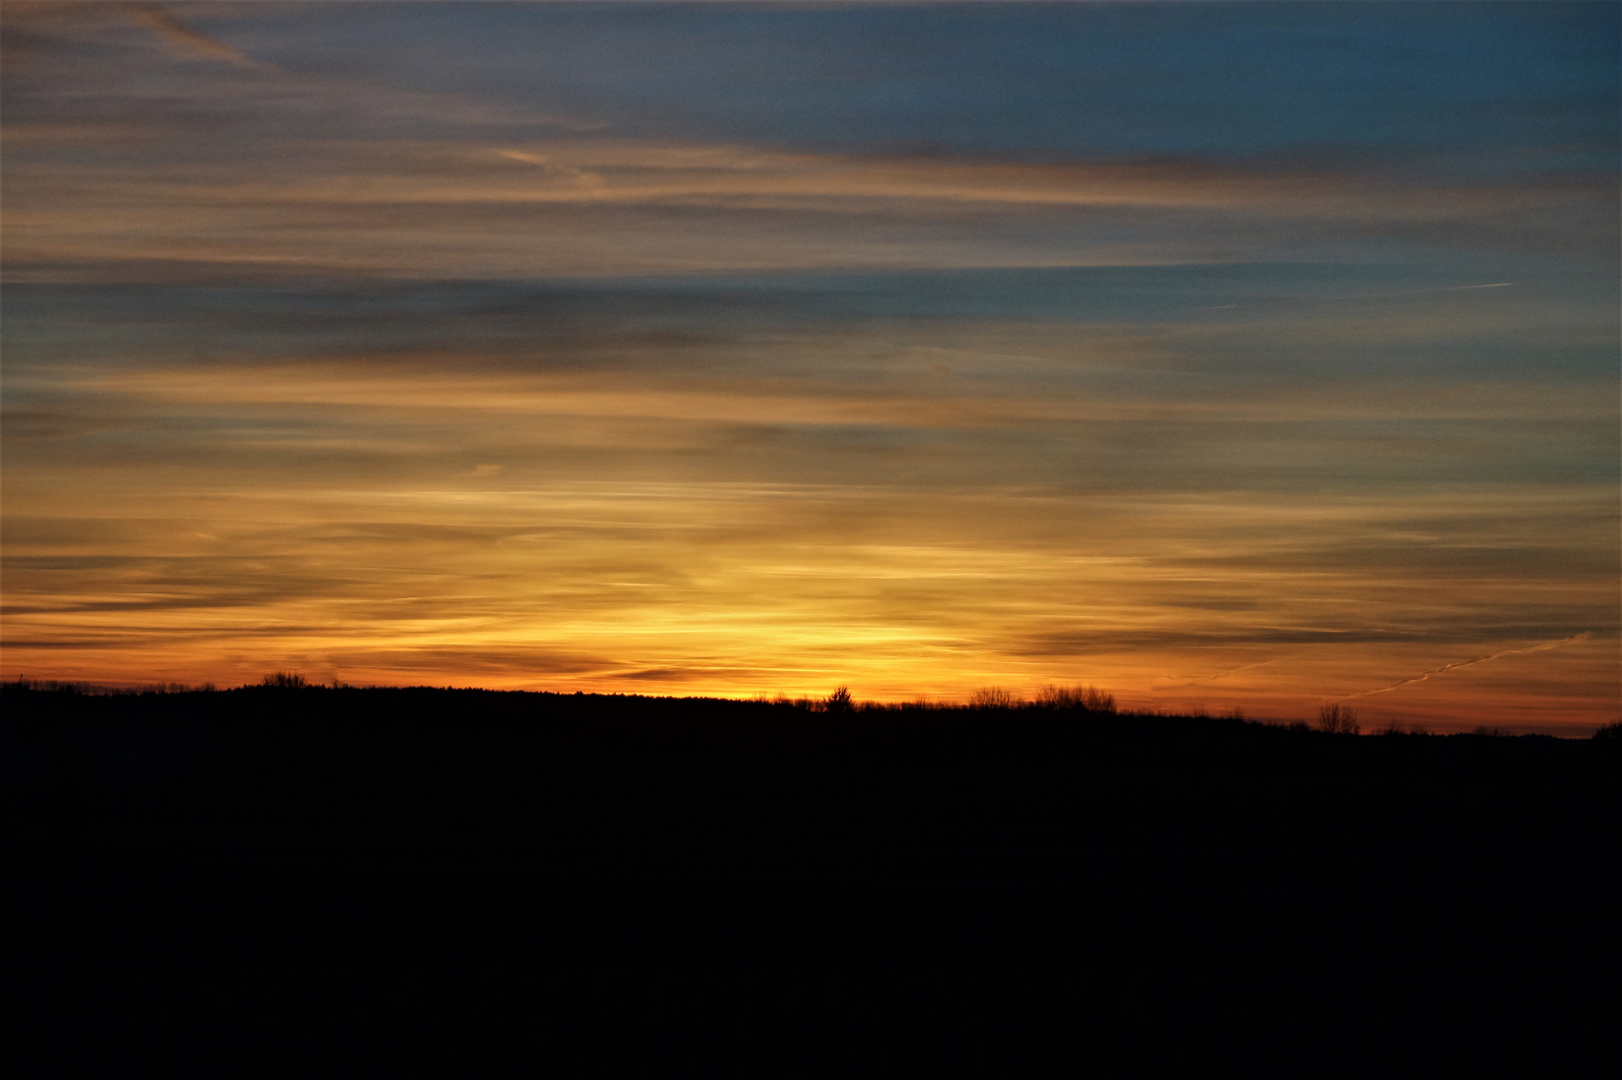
254, 168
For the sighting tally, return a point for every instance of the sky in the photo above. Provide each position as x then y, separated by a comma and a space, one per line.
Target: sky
1224, 356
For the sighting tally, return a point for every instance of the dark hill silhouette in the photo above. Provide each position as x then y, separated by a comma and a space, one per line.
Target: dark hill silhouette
663, 863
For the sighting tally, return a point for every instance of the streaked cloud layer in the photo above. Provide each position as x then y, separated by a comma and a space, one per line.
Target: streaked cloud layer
753, 349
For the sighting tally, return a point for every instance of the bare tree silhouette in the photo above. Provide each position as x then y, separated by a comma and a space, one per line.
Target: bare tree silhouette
1088, 698
1338, 719
994, 697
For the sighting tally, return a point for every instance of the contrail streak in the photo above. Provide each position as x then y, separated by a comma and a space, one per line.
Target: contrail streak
180, 34
1213, 678
1423, 676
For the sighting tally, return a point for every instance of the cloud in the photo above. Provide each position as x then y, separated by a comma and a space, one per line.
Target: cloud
189, 41
123, 163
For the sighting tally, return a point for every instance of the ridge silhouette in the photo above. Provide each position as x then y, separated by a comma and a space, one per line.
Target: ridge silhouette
593, 867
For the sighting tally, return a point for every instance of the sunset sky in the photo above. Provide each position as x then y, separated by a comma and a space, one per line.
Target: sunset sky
1223, 356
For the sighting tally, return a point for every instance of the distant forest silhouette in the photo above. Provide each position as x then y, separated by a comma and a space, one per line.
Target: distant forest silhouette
1334, 718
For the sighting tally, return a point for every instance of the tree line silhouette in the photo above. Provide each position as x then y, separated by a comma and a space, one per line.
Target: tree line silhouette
1334, 718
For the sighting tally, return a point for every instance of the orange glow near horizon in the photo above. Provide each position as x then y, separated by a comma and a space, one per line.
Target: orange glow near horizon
447, 549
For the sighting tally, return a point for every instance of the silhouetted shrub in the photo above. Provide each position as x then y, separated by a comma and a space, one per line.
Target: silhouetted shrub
54, 686
839, 701
1609, 734
285, 680
1338, 719
994, 697
1089, 698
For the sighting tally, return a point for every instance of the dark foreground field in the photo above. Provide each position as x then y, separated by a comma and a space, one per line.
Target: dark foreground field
314, 878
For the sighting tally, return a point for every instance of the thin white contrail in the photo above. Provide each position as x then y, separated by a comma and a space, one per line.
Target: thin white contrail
1467, 663
1178, 684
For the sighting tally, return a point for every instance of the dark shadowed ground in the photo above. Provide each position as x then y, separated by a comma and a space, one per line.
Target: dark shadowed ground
298, 879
